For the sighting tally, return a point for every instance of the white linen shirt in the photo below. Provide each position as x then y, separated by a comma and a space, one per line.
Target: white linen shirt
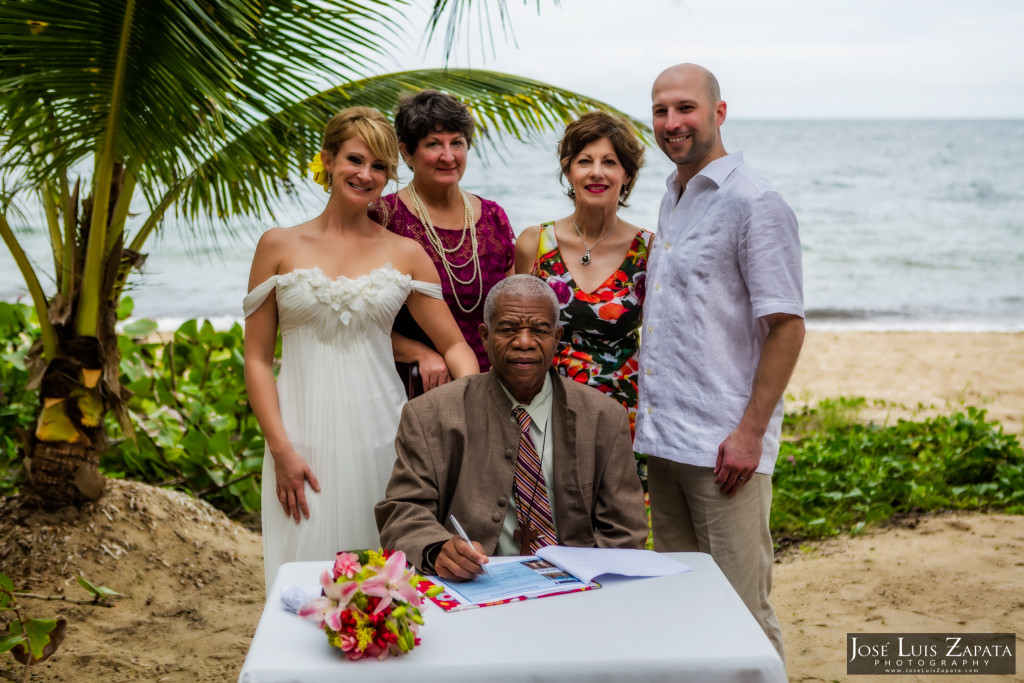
726, 253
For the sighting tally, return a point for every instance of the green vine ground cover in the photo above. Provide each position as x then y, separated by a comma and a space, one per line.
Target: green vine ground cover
194, 432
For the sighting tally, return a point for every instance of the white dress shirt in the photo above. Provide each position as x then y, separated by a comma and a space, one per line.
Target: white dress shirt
726, 254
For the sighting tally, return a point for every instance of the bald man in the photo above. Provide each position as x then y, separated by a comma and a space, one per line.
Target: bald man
723, 326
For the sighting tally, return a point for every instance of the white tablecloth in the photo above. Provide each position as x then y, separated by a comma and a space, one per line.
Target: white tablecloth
690, 626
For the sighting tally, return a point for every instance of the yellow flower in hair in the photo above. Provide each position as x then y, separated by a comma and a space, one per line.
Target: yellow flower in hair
320, 175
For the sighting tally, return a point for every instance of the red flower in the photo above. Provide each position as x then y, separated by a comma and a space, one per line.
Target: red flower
611, 311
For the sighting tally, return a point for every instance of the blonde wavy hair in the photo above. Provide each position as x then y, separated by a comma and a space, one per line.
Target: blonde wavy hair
371, 127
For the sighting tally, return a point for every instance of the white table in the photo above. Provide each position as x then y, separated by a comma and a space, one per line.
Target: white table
690, 626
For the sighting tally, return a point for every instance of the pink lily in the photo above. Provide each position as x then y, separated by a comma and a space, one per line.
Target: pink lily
328, 607
391, 583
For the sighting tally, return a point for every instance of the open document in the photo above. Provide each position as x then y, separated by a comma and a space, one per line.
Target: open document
588, 563
555, 570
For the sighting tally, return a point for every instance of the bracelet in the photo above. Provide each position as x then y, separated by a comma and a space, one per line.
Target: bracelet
430, 554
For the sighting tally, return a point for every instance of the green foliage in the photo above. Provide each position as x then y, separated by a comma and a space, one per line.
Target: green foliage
98, 593
17, 404
32, 632
849, 475
193, 427
31, 641
828, 415
22, 635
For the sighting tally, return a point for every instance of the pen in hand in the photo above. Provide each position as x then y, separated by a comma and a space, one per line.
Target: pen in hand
465, 537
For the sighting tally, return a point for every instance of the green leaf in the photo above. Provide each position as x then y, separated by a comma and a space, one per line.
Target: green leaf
125, 307
38, 632
98, 591
8, 642
141, 328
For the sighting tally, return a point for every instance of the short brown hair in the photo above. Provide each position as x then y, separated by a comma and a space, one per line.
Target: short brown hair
421, 114
593, 126
371, 127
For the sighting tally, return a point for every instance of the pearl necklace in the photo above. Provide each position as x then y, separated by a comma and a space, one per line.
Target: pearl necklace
585, 259
434, 238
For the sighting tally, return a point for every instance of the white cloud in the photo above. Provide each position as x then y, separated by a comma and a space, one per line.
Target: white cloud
775, 58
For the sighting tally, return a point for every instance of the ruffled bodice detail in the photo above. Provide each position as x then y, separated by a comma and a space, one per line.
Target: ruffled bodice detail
339, 307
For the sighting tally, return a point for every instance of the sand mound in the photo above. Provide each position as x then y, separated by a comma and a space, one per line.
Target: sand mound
192, 582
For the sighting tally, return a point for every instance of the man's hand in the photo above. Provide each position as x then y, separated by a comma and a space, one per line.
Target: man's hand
738, 457
460, 561
292, 472
740, 453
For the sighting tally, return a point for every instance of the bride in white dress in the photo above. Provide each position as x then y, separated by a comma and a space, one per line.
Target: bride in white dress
333, 286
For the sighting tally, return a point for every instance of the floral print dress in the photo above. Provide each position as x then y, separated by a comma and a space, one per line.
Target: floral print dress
601, 336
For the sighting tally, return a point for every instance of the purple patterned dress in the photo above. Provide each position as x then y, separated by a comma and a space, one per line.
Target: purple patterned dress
496, 245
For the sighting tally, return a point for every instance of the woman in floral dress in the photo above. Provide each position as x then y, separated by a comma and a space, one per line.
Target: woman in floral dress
595, 261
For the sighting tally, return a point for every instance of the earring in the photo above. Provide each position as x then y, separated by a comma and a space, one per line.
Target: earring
572, 192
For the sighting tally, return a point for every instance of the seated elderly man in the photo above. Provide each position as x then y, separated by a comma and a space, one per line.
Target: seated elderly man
521, 456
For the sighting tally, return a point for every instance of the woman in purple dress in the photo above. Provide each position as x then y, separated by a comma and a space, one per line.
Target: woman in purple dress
468, 237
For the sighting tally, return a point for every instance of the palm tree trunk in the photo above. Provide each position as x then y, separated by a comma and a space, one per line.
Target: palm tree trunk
63, 454
61, 473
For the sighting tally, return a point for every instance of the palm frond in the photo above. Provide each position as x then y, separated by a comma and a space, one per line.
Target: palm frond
255, 166
458, 12
189, 67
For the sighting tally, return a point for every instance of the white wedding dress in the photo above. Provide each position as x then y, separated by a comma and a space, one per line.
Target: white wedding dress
340, 400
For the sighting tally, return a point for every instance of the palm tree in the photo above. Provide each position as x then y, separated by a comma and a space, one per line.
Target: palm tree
116, 112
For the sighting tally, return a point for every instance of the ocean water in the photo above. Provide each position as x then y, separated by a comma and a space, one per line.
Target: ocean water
905, 225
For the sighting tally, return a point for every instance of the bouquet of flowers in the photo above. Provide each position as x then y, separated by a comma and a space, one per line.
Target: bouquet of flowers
370, 606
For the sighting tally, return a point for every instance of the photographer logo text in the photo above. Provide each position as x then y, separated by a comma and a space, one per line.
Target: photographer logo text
931, 653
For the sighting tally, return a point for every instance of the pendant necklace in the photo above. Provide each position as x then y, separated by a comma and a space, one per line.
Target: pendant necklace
442, 251
585, 259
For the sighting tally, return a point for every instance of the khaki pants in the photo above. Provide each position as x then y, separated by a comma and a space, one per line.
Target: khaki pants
688, 513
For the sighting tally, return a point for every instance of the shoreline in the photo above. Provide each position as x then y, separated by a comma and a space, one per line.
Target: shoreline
901, 373
166, 324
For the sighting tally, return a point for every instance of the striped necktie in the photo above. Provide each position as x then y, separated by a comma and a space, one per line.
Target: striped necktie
533, 512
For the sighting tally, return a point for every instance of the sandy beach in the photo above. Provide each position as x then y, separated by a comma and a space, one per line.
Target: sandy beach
915, 373
193, 588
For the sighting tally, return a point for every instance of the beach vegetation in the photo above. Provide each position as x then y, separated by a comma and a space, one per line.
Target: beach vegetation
19, 332
118, 114
847, 476
193, 429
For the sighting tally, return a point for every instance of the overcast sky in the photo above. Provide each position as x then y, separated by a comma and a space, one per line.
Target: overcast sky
774, 58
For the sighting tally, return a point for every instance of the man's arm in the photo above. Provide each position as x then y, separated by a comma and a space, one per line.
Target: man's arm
740, 453
407, 517
620, 519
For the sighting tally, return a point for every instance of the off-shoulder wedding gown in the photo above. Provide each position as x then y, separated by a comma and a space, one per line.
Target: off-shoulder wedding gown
340, 400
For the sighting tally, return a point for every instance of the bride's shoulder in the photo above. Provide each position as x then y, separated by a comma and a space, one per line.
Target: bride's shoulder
283, 241
401, 245
408, 256
278, 238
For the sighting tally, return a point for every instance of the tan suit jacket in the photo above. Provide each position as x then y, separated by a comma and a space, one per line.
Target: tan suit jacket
457, 449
